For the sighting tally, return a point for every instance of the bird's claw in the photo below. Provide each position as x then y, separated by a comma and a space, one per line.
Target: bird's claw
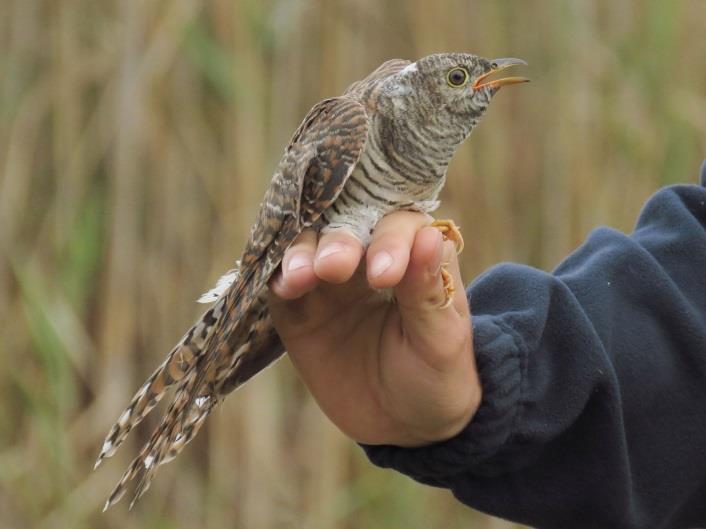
450, 231
448, 284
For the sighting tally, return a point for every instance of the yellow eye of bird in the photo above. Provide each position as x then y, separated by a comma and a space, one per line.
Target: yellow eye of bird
457, 77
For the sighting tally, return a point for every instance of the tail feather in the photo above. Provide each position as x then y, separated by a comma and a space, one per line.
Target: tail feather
180, 361
166, 441
223, 284
194, 400
205, 364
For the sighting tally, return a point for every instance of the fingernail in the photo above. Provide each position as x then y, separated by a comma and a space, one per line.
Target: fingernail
297, 261
330, 249
381, 262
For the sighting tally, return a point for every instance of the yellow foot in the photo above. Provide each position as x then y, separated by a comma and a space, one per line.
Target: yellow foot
449, 289
450, 231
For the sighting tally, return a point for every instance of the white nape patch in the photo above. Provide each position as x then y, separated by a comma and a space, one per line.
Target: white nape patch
223, 283
148, 461
200, 401
400, 90
410, 68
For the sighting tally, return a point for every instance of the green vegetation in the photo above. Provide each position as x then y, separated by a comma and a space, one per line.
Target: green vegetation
136, 139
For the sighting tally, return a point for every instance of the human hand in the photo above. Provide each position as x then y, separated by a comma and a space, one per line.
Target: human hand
385, 372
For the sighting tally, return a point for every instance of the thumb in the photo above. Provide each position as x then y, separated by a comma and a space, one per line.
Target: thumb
431, 327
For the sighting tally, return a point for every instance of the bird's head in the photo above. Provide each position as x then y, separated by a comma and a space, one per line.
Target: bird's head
448, 91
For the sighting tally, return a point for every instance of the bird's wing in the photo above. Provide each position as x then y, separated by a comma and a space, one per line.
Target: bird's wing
386, 69
315, 166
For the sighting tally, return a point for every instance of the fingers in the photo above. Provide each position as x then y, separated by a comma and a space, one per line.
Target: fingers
421, 290
440, 336
333, 259
337, 257
388, 253
297, 276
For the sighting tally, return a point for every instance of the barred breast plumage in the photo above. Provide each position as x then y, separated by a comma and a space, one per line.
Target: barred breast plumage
384, 145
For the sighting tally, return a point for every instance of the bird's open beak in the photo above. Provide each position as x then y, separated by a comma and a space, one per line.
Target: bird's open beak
497, 66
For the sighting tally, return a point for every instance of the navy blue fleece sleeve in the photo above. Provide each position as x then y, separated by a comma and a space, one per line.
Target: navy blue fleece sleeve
594, 380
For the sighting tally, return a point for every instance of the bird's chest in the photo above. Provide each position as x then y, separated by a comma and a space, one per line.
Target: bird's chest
375, 188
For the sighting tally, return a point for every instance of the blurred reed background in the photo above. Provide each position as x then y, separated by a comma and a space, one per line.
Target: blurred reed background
136, 139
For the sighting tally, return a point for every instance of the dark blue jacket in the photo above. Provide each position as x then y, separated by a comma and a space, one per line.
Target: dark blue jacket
594, 379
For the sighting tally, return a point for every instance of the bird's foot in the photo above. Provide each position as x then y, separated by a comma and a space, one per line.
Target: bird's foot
450, 231
448, 284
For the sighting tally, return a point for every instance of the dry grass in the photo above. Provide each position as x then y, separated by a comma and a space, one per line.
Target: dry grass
136, 139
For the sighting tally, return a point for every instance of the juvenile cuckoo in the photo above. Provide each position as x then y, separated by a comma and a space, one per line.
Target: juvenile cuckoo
384, 145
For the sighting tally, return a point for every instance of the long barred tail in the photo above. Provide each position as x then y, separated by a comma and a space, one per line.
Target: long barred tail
166, 442
233, 341
251, 346
179, 362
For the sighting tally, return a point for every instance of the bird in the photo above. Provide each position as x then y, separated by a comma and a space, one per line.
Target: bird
383, 145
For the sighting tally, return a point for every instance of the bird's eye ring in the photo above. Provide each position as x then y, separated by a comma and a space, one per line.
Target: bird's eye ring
457, 77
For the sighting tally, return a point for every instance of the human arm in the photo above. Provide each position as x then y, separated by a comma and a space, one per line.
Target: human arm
594, 383
594, 378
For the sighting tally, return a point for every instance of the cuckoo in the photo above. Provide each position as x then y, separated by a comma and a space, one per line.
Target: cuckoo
384, 145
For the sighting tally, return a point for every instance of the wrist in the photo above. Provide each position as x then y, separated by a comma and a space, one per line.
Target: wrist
435, 429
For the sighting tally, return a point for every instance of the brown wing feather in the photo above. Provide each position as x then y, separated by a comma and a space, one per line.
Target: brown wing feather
315, 166
317, 162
